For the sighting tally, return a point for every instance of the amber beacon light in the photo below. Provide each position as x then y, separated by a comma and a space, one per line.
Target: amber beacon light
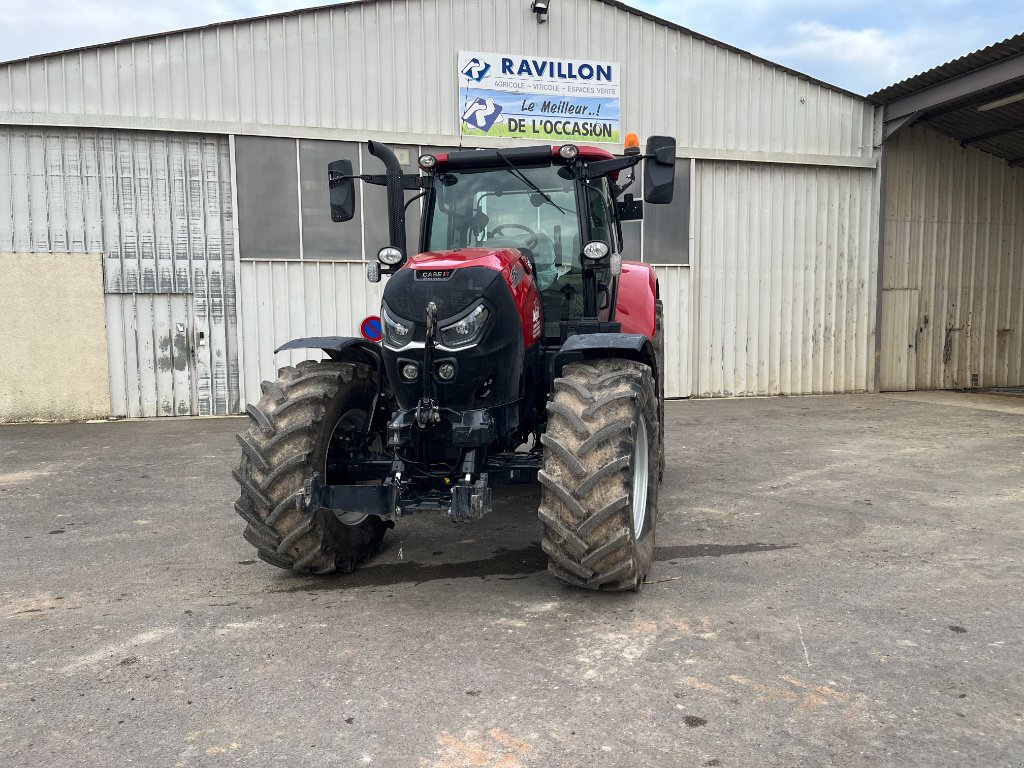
632, 144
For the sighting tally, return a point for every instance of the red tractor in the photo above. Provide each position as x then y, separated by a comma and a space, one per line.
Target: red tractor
518, 345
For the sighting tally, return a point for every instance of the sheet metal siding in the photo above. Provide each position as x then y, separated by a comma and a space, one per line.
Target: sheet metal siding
159, 209
784, 273
153, 372
284, 300
955, 230
899, 339
674, 283
323, 69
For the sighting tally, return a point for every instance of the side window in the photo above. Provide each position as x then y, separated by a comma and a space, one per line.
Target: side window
602, 219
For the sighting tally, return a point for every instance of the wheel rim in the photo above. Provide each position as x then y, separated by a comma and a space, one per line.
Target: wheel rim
640, 478
349, 421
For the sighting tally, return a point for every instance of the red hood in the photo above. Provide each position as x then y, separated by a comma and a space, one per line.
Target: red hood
498, 259
514, 269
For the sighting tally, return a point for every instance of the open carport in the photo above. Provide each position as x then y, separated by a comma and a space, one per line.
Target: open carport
838, 581
951, 274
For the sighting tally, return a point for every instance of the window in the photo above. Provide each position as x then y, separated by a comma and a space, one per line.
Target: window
321, 237
667, 227
283, 200
498, 208
268, 198
600, 202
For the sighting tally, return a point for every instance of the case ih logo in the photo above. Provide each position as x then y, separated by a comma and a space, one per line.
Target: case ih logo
432, 274
481, 113
476, 70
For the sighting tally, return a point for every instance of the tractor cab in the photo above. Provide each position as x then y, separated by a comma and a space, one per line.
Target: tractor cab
562, 207
540, 209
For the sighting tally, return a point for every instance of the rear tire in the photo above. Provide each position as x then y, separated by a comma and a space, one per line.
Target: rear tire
602, 460
287, 440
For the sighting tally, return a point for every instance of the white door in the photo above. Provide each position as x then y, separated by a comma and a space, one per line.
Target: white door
899, 339
153, 370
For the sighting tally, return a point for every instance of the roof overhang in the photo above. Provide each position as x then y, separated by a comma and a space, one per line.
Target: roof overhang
977, 100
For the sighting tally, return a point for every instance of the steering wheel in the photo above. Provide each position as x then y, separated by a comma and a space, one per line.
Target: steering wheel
531, 239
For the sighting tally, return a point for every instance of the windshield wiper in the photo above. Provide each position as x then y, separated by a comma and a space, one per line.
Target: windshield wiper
528, 182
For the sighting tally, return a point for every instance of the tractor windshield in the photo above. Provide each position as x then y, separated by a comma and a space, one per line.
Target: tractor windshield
532, 209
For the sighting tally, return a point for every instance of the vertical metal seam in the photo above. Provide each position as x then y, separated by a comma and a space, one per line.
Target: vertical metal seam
298, 194
239, 297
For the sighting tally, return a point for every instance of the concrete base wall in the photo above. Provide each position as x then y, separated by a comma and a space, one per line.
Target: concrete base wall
53, 347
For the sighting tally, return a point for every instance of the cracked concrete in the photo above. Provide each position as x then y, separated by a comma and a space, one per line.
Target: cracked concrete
838, 581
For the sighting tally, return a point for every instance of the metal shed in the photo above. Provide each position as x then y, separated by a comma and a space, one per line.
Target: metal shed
952, 274
193, 161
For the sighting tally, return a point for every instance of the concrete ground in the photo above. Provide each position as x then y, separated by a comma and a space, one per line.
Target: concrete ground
838, 582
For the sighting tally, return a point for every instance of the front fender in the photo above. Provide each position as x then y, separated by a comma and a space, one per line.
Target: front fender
587, 346
635, 303
340, 348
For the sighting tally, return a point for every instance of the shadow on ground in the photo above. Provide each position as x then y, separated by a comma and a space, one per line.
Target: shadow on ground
505, 564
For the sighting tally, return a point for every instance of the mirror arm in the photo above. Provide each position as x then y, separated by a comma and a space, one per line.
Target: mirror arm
618, 189
601, 168
409, 182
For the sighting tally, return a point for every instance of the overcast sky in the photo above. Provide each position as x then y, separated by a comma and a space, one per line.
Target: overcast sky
862, 45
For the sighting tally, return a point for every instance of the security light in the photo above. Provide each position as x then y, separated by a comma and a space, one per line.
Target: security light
540, 7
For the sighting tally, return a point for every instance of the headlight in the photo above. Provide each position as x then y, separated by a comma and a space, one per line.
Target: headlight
467, 331
595, 250
389, 256
396, 333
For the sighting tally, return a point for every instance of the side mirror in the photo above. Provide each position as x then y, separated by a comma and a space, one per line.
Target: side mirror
343, 190
660, 170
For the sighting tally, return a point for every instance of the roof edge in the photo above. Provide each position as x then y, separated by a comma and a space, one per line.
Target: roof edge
355, 3
972, 61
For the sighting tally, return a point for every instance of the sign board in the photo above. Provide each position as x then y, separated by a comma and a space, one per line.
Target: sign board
538, 98
372, 329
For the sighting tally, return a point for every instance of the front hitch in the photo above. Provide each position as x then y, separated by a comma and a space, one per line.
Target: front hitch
428, 411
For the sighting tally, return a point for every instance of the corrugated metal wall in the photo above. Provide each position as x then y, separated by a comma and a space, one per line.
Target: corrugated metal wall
321, 70
283, 300
784, 267
149, 335
158, 208
674, 283
954, 231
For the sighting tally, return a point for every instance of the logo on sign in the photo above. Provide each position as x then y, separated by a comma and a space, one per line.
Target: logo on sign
372, 329
476, 70
482, 113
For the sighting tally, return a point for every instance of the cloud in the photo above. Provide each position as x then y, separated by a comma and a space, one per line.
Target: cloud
869, 58
861, 45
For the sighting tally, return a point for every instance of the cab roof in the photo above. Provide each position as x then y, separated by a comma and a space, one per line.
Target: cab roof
496, 158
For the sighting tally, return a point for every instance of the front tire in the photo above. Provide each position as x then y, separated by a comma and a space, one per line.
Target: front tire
289, 434
602, 461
